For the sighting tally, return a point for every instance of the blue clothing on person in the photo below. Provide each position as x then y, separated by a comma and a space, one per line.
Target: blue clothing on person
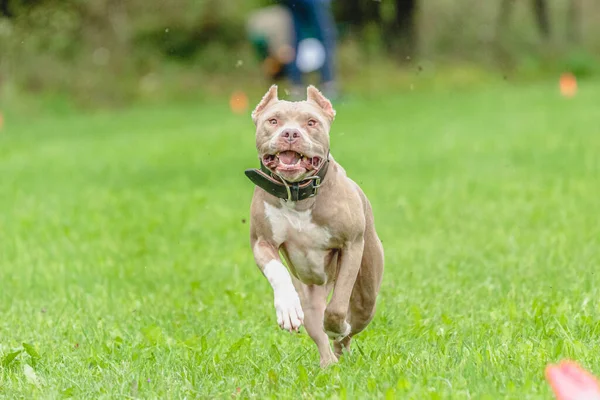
313, 18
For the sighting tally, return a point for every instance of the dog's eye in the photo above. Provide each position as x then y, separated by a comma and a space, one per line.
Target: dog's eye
312, 122
273, 121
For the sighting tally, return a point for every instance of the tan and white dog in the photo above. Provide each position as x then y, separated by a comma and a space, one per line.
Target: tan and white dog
307, 209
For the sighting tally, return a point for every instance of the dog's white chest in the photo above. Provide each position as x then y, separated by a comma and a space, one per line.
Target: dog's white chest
305, 242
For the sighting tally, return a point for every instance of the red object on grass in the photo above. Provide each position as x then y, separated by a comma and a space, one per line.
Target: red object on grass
568, 84
238, 102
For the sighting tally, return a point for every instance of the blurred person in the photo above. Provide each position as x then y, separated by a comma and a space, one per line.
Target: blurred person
571, 382
313, 19
271, 33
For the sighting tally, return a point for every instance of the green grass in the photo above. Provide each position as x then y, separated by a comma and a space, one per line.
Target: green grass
126, 271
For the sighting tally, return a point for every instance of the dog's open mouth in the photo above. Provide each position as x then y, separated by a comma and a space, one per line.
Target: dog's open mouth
290, 160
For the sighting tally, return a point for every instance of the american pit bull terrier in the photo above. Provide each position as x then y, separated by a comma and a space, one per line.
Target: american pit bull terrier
307, 209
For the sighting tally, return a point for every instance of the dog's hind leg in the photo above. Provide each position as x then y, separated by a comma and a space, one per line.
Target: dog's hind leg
360, 313
364, 294
340, 345
314, 301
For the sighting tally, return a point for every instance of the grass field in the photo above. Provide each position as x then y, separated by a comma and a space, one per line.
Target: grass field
125, 267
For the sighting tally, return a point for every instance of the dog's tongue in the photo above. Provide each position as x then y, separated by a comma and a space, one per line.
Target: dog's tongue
289, 157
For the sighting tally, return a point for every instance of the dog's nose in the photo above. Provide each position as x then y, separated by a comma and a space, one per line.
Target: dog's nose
290, 134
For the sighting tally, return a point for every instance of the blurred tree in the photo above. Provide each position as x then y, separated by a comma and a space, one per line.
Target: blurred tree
574, 21
398, 31
4, 9
358, 13
540, 9
10, 8
350, 12
405, 28
542, 16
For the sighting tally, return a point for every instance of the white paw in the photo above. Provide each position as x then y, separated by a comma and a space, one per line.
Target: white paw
289, 311
337, 336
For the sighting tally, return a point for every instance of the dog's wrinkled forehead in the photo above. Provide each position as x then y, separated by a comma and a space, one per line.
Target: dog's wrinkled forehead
315, 103
287, 111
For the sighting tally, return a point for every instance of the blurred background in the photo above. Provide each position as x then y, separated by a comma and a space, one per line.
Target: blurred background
109, 53
125, 129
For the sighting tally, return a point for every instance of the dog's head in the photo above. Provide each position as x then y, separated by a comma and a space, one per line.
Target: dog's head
292, 138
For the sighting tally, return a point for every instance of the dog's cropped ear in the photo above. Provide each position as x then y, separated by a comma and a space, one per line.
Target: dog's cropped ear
313, 94
267, 99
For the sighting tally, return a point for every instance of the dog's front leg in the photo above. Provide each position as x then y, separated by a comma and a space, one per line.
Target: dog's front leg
335, 322
287, 303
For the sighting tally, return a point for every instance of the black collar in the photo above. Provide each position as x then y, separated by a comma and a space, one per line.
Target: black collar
289, 191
